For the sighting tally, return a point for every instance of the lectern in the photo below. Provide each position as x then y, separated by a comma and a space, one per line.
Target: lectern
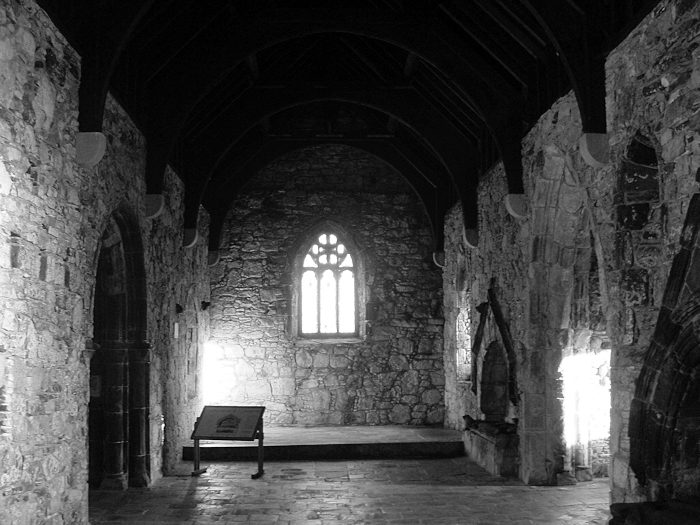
229, 424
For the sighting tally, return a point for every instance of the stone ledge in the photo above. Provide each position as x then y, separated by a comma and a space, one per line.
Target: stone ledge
329, 341
494, 451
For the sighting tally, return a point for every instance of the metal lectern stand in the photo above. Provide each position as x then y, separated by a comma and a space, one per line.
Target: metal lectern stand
261, 452
197, 456
231, 424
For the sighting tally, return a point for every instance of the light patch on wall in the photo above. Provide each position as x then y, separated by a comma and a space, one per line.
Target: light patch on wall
463, 344
215, 384
586, 397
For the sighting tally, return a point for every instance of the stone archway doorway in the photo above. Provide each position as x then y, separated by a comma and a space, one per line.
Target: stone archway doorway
118, 410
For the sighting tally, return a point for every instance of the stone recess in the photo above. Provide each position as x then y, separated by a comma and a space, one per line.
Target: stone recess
52, 216
394, 375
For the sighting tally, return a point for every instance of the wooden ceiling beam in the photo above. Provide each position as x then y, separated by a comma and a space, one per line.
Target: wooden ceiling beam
473, 121
508, 60
411, 65
292, 57
238, 171
522, 17
108, 26
368, 63
570, 33
530, 44
456, 153
200, 69
182, 34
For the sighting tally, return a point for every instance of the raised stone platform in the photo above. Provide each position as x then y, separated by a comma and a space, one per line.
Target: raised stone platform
336, 443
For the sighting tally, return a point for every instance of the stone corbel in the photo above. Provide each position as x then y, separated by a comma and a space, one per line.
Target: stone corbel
90, 147
595, 149
516, 204
190, 237
213, 257
470, 236
155, 204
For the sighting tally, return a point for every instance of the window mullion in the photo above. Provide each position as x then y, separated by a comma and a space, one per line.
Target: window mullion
318, 301
323, 259
336, 274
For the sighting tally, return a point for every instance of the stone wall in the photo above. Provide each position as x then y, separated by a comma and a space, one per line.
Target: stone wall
52, 217
533, 265
586, 270
499, 264
392, 375
653, 84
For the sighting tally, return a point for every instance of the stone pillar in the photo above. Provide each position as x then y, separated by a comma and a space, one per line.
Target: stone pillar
116, 424
139, 447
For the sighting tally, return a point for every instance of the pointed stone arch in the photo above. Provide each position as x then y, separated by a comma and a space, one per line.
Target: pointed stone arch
664, 427
119, 370
295, 259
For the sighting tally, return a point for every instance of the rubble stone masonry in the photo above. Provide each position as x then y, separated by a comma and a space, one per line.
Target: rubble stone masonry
52, 215
624, 220
393, 375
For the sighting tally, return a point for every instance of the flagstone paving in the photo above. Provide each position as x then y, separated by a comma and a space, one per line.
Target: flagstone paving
415, 491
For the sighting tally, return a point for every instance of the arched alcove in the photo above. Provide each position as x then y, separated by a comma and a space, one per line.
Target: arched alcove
119, 370
494, 383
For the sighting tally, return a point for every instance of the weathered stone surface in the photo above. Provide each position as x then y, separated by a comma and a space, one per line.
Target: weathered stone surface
380, 379
53, 215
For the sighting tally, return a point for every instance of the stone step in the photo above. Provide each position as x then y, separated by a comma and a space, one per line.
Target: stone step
336, 443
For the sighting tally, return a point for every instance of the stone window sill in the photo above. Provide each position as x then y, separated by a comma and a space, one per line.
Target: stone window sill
327, 341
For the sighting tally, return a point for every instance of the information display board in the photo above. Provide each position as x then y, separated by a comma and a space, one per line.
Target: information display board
229, 423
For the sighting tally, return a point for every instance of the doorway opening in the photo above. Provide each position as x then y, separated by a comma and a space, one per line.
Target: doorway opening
118, 411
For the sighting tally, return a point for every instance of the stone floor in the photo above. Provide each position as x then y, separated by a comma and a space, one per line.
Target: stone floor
402, 492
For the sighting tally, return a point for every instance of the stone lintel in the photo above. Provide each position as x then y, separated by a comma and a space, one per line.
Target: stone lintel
595, 149
470, 236
90, 147
213, 257
516, 204
155, 204
190, 237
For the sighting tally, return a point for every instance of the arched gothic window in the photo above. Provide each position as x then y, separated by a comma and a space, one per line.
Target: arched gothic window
328, 289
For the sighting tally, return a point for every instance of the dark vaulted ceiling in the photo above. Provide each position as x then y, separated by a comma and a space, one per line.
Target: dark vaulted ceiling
441, 90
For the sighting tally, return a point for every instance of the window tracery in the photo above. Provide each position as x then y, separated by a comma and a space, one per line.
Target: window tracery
328, 289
